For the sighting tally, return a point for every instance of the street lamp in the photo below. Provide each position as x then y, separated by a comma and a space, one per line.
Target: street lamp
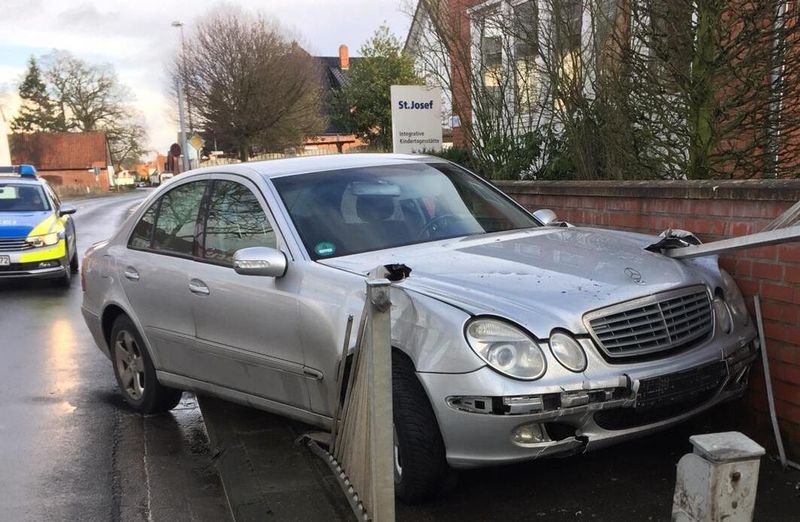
181, 110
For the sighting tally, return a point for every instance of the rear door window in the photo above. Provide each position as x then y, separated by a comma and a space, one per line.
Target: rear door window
235, 220
143, 232
175, 227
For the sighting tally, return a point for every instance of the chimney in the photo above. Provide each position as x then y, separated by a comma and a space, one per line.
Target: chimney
344, 58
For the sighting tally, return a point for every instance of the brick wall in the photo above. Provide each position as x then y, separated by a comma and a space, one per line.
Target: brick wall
72, 182
712, 210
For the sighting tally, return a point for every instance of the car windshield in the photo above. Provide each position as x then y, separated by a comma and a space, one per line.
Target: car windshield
17, 197
344, 212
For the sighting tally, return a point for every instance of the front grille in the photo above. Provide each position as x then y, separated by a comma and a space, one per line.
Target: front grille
681, 386
13, 244
667, 321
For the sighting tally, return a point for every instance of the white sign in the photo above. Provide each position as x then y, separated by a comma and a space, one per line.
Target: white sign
416, 118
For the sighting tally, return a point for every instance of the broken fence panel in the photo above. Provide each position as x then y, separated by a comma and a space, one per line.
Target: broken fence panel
361, 452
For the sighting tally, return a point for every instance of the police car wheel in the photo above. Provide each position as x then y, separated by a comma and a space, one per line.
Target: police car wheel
135, 373
73, 263
66, 279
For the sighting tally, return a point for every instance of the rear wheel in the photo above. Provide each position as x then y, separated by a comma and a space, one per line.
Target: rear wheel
420, 467
135, 373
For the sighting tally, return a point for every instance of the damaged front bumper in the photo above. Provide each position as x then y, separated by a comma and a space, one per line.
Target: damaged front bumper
518, 421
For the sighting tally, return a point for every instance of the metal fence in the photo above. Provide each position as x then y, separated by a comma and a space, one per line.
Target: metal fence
273, 156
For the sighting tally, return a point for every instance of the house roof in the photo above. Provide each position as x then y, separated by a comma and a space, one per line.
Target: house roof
332, 79
333, 76
60, 150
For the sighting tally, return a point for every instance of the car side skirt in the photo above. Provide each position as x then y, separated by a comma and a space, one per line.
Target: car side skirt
245, 399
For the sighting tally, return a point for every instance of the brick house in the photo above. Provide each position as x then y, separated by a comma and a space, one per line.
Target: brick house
71, 161
508, 47
333, 76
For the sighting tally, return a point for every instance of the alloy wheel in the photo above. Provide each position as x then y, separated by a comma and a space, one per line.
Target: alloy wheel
130, 365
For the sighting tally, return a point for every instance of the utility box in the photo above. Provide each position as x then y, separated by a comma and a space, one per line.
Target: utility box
719, 480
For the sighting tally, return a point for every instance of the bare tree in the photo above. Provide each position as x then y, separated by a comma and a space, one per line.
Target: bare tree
88, 98
726, 71
504, 75
250, 85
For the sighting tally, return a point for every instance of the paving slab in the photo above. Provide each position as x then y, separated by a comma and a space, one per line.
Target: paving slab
265, 473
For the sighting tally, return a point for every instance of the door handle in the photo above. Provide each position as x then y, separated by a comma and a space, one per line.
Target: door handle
131, 273
312, 373
198, 287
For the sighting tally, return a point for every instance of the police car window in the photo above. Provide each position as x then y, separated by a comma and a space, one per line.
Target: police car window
143, 233
235, 220
177, 214
22, 198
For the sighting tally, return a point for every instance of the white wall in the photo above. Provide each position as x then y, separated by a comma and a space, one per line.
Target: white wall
5, 153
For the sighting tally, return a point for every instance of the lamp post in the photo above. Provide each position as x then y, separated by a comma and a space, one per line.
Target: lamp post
181, 110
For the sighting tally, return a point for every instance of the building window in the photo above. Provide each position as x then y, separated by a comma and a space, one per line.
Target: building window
491, 52
525, 25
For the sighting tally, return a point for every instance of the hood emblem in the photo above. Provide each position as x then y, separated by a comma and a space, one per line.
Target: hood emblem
635, 276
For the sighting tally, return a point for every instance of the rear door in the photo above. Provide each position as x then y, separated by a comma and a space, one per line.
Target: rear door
155, 273
247, 326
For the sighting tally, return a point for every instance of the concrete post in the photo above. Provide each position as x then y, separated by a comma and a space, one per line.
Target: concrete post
719, 480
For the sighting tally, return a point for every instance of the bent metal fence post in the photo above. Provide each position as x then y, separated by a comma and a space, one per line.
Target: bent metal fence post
361, 449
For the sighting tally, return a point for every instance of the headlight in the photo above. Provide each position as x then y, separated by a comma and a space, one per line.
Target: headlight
568, 351
735, 300
723, 315
45, 240
506, 348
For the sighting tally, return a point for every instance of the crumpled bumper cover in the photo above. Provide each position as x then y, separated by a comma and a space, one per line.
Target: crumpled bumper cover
477, 429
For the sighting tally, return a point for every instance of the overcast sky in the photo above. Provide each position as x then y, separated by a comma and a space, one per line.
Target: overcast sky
135, 36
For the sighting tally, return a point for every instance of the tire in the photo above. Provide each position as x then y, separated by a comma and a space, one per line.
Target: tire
66, 279
135, 373
74, 265
421, 468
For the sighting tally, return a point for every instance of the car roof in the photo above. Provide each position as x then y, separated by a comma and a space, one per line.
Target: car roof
306, 164
22, 180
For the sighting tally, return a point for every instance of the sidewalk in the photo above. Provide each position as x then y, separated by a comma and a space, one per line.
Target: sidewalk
266, 475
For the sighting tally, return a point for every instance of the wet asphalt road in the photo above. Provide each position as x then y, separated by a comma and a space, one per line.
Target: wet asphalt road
70, 449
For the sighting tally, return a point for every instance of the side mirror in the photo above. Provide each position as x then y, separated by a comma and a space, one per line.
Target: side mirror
545, 216
260, 261
66, 209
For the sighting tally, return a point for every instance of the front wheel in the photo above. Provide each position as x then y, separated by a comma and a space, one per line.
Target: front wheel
66, 278
73, 261
420, 466
135, 373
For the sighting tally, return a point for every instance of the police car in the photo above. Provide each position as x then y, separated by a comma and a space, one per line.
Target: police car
37, 234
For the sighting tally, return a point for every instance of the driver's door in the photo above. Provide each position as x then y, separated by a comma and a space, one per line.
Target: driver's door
246, 326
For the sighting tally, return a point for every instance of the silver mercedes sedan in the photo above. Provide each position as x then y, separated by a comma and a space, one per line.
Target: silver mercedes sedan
514, 336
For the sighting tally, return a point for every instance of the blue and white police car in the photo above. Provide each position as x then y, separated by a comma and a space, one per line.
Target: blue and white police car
37, 232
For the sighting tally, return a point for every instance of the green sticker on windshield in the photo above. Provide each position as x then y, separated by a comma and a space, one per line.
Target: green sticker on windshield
325, 249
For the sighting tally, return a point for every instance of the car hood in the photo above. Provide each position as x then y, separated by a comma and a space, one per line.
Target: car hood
20, 224
542, 278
